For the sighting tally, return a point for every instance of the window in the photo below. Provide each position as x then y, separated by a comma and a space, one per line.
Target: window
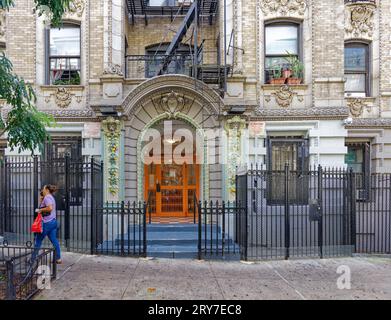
358, 160
169, 3
281, 41
64, 55
180, 62
55, 152
295, 152
357, 69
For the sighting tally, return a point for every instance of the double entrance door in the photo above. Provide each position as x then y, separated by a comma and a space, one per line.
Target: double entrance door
171, 189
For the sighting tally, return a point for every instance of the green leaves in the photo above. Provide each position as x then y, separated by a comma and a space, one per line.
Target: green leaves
54, 8
24, 125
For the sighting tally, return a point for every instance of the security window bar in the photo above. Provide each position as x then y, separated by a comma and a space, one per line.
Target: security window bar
293, 152
64, 61
282, 39
358, 159
357, 71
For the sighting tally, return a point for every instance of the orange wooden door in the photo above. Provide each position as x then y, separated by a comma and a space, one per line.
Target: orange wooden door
171, 189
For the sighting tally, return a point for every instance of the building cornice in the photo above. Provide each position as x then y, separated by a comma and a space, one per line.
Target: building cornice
370, 123
338, 113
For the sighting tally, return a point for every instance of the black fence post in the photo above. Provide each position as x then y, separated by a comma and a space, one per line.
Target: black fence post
54, 264
7, 202
287, 220
199, 230
145, 229
67, 199
320, 211
122, 228
92, 209
11, 293
35, 184
352, 194
2, 195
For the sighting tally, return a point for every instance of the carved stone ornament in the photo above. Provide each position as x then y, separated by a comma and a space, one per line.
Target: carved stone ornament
360, 20
356, 107
112, 132
63, 97
76, 7
172, 104
234, 128
284, 96
283, 7
113, 70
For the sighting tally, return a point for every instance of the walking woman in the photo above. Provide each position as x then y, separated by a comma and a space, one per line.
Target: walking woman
48, 212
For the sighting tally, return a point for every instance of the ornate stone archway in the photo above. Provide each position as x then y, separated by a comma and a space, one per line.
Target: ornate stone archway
157, 99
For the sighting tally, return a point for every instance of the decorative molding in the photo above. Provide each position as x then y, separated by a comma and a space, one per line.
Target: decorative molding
283, 7
360, 20
63, 97
284, 96
115, 70
366, 123
76, 7
112, 132
234, 128
172, 104
356, 107
182, 84
309, 113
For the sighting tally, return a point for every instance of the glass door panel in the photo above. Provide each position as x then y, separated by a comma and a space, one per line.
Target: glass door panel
172, 201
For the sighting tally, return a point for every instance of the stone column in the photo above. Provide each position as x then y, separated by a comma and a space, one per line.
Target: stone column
234, 128
112, 158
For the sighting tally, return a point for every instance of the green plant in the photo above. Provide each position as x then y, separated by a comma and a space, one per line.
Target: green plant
296, 65
276, 72
75, 80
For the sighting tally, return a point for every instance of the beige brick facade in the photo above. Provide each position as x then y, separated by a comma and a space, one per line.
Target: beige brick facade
315, 109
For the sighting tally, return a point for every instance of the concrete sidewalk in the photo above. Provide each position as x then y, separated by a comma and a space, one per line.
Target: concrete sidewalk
93, 277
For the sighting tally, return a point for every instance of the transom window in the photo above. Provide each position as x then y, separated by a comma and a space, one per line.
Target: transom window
281, 42
64, 55
357, 69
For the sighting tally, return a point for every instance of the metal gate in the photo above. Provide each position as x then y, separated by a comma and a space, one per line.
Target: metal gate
298, 213
80, 192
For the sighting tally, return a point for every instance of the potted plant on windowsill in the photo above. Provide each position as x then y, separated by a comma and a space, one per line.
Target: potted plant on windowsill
297, 68
277, 77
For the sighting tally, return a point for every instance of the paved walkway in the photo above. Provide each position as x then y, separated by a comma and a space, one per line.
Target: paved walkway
92, 277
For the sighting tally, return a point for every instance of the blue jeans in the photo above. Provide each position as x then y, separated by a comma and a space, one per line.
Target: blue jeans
49, 230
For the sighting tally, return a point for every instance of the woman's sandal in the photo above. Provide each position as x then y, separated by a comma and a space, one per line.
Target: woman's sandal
59, 261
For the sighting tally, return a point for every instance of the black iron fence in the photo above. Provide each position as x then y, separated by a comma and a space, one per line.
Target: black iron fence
276, 215
298, 214
373, 215
120, 229
80, 191
222, 230
21, 278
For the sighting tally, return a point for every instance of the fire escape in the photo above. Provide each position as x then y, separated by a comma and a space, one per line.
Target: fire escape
194, 16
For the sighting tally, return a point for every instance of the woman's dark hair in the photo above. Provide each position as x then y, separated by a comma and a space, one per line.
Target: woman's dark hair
52, 189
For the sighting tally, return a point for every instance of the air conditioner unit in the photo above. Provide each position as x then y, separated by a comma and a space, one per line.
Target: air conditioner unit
361, 195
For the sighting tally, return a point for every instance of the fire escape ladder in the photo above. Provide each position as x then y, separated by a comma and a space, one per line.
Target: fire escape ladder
176, 41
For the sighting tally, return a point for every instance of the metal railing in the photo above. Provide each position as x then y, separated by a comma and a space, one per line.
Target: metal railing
80, 190
120, 229
148, 66
20, 277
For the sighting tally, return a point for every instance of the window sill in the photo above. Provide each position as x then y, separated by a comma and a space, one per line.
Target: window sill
368, 99
68, 86
278, 86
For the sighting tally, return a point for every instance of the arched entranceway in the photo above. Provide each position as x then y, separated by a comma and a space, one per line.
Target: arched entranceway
170, 98
172, 175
